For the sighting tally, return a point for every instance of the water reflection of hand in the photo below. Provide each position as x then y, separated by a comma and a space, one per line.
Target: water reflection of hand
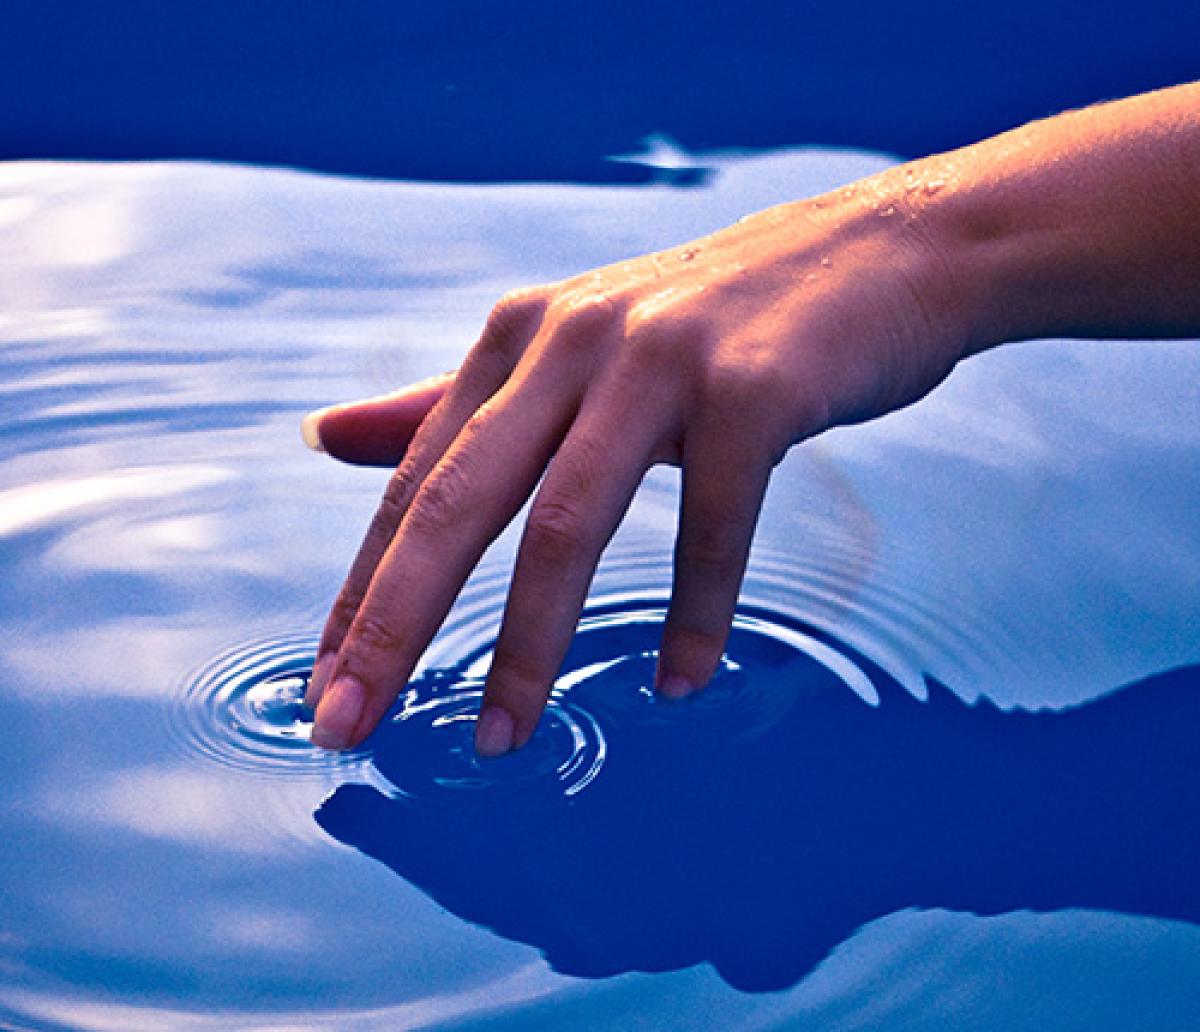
715, 356
758, 837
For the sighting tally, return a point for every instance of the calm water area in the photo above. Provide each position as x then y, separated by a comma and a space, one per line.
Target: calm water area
947, 776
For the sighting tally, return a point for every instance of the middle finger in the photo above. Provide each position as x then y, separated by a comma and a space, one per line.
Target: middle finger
587, 490
467, 499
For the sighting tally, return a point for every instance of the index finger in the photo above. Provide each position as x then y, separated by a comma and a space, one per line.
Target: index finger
468, 498
487, 367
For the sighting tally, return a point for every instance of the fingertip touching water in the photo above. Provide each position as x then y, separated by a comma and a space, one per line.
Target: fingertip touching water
753, 826
817, 840
718, 356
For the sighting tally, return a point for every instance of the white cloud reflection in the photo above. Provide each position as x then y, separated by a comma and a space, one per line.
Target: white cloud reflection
525, 985
208, 809
37, 505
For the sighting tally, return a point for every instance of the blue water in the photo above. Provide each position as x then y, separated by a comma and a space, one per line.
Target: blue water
945, 777
478, 90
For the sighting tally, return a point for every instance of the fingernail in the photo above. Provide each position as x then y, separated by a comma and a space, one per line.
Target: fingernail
338, 714
675, 687
310, 429
493, 731
321, 670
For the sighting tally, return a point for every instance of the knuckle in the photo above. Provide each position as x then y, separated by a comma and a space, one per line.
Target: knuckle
345, 607
555, 532
374, 635
522, 302
510, 322
396, 497
474, 427
713, 547
580, 317
747, 381
439, 505
739, 382
577, 470
746, 402
657, 339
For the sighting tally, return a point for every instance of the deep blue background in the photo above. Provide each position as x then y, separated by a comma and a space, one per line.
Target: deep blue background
472, 90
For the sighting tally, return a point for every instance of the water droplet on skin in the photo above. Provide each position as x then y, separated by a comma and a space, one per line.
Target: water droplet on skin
887, 213
689, 254
810, 277
933, 186
827, 262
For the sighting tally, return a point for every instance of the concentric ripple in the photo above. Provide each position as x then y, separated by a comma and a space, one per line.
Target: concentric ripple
427, 748
604, 699
246, 710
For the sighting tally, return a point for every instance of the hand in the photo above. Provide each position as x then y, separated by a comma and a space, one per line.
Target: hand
716, 356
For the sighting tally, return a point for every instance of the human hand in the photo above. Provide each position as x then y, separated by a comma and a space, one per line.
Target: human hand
716, 356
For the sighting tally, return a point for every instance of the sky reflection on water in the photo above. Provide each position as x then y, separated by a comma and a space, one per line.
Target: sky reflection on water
1029, 537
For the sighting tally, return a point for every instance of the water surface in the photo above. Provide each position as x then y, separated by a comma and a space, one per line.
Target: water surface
942, 779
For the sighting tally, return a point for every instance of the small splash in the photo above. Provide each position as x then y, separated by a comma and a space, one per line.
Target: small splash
276, 708
246, 710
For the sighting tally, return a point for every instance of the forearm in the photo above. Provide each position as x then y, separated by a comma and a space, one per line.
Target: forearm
1087, 224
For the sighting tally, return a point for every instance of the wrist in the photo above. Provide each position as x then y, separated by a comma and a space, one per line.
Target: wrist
899, 307
1080, 225
915, 234
966, 254
1007, 258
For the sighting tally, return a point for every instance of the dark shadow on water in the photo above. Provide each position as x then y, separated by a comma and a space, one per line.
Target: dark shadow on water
761, 852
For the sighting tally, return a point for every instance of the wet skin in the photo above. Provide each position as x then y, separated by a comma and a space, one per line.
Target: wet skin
718, 356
